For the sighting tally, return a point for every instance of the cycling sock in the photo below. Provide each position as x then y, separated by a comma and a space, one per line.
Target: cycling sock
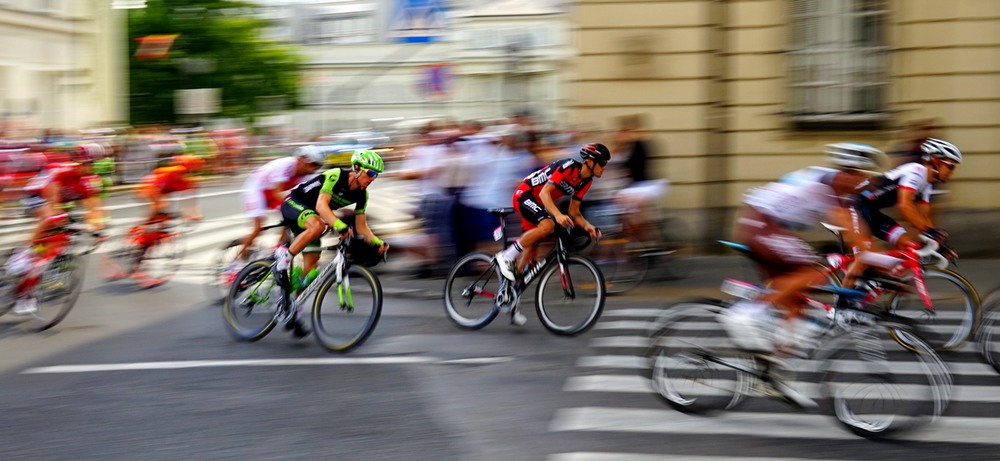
512, 251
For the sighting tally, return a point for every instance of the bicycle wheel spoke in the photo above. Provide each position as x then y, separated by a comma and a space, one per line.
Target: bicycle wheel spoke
470, 291
345, 321
570, 300
56, 292
956, 309
250, 307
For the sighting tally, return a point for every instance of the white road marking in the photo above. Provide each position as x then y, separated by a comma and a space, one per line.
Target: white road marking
328, 361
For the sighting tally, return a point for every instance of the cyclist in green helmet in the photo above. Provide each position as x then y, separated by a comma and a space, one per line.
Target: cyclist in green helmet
309, 209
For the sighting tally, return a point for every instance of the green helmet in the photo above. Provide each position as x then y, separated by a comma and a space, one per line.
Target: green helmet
368, 159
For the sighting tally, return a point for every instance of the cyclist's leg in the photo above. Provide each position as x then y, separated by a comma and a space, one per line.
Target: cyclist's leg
258, 225
530, 239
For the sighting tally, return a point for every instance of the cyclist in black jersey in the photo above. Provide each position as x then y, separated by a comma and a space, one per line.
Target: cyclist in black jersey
308, 210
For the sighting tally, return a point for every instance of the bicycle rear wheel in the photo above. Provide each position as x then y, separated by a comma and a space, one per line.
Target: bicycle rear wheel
875, 388
686, 352
57, 291
470, 291
162, 260
7, 284
620, 258
120, 259
250, 307
569, 303
956, 310
344, 319
989, 331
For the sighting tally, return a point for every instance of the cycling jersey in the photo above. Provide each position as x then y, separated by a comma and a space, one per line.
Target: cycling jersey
883, 191
73, 185
564, 175
260, 187
166, 180
335, 182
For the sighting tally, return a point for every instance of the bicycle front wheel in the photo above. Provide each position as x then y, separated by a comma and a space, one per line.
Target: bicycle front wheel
470, 291
570, 301
956, 310
57, 291
251, 305
345, 315
687, 359
875, 388
989, 331
620, 258
162, 260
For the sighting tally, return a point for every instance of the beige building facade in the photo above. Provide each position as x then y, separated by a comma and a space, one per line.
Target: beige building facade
739, 92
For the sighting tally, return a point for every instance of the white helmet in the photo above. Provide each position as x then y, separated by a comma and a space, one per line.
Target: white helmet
854, 155
937, 148
312, 154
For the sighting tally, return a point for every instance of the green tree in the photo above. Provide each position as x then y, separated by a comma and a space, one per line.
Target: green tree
219, 45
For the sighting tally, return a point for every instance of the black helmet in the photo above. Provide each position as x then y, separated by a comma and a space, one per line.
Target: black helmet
597, 152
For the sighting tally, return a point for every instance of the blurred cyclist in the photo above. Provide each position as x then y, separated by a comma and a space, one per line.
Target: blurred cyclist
264, 188
57, 186
534, 200
908, 188
768, 226
176, 177
308, 210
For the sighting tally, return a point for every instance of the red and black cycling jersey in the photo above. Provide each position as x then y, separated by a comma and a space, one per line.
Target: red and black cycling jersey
564, 175
883, 191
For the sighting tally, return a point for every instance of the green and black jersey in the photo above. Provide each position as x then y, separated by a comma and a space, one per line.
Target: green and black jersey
335, 182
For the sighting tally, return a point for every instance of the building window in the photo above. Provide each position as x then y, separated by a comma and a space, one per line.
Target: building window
837, 64
344, 30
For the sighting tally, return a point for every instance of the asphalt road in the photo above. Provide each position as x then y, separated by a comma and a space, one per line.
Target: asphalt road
151, 374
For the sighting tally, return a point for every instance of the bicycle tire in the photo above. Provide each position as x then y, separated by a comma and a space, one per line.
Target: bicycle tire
162, 260
119, 259
473, 280
988, 335
620, 258
364, 315
253, 289
7, 284
681, 346
218, 284
876, 393
941, 336
551, 299
57, 291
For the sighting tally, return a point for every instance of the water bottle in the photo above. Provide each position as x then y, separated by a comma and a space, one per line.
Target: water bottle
309, 277
296, 279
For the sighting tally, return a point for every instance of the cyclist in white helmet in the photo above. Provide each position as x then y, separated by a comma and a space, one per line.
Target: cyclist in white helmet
265, 188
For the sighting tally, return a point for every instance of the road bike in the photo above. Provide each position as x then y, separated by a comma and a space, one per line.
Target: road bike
345, 310
639, 238
56, 276
569, 298
222, 270
918, 285
150, 253
862, 377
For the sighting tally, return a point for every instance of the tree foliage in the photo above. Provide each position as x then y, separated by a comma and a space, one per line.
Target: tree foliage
219, 46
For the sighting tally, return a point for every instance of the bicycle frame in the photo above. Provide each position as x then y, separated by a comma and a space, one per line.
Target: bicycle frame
559, 255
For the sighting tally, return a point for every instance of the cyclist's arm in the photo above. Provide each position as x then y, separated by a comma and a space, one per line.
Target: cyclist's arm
579, 220
908, 208
361, 224
326, 213
550, 205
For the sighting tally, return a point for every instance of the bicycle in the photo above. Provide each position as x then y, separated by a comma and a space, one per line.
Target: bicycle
868, 386
638, 236
60, 269
918, 285
476, 277
150, 252
221, 272
987, 337
256, 297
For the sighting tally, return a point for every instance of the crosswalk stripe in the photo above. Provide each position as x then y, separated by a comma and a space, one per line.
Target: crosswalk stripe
635, 362
640, 385
603, 456
950, 429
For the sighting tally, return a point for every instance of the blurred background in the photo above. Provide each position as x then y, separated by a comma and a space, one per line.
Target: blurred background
718, 95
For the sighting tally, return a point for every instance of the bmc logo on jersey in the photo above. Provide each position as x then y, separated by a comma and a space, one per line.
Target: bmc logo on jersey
539, 179
533, 206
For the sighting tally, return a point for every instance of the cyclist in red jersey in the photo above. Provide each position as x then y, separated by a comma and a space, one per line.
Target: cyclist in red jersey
57, 185
535, 198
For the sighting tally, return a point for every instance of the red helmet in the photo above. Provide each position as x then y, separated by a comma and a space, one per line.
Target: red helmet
596, 151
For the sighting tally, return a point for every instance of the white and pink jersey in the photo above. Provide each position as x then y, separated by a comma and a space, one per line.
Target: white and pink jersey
258, 190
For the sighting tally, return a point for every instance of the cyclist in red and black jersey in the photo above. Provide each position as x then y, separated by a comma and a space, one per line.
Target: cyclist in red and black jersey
535, 198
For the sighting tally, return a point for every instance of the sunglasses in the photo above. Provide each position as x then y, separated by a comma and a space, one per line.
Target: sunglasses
950, 165
371, 173
602, 164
